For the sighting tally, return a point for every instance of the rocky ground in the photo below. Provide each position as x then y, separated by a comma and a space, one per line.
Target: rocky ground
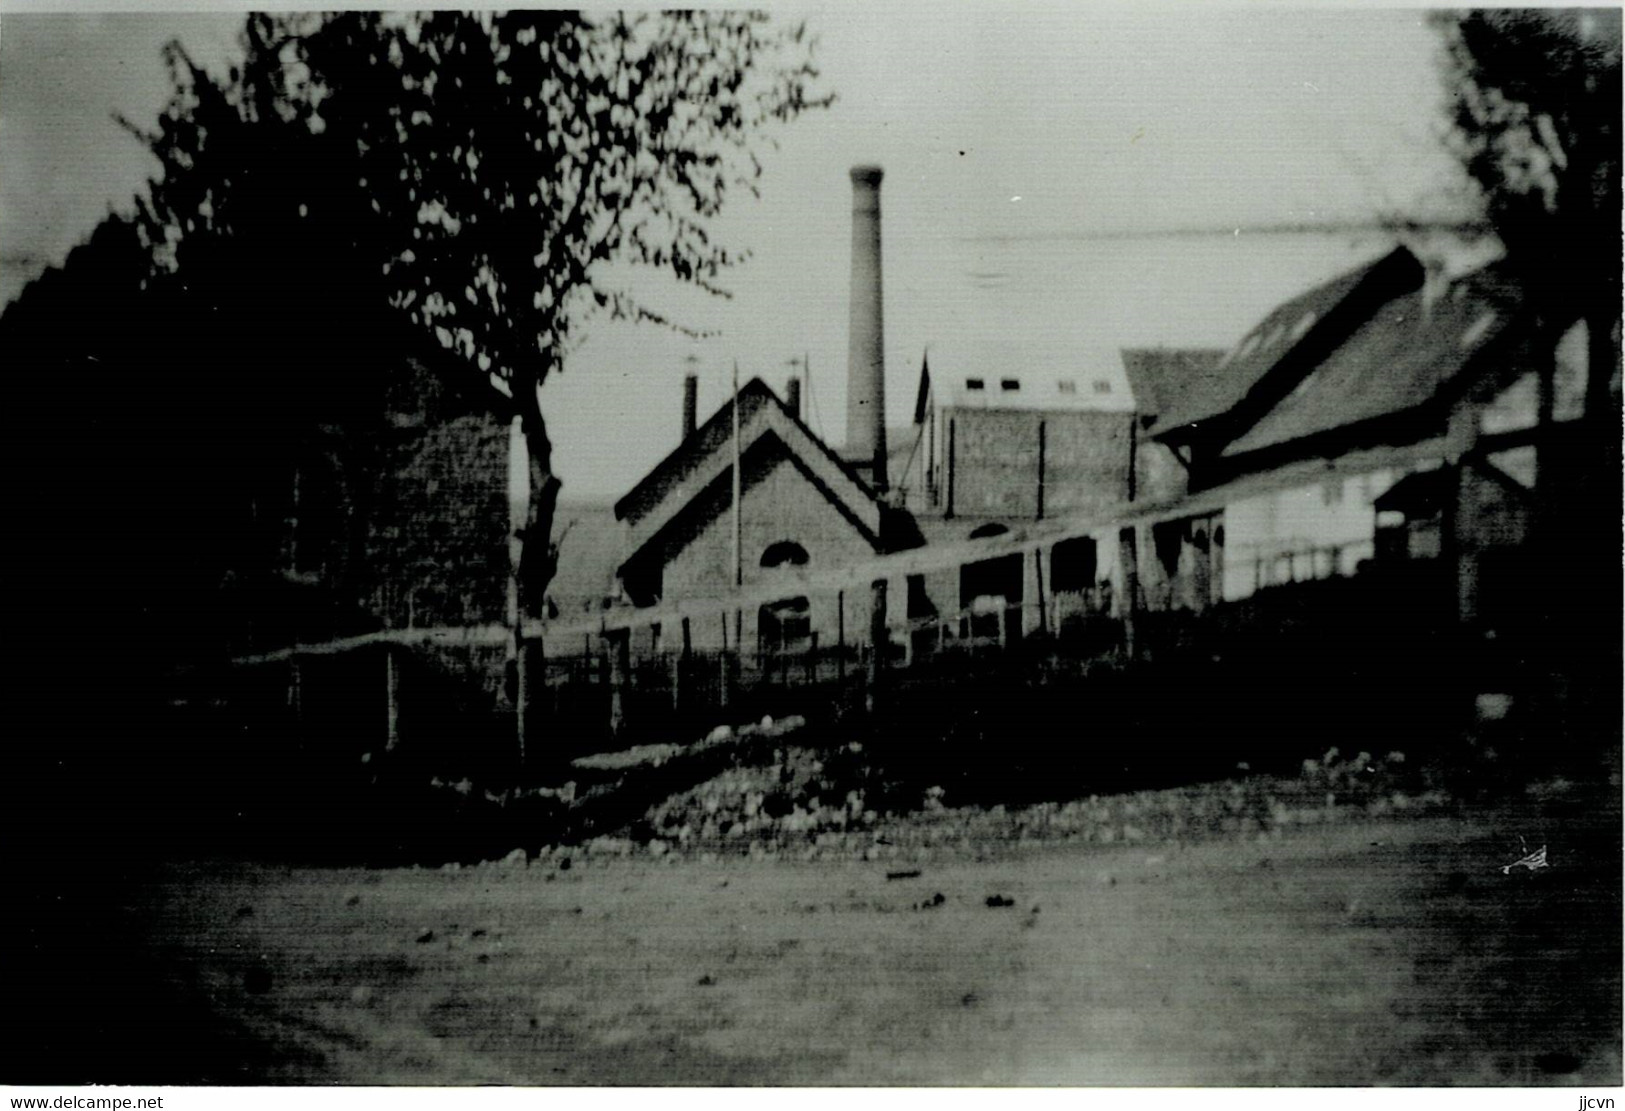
1346, 926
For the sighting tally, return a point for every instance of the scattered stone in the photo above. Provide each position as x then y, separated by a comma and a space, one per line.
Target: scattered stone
720, 734
905, 874
1000, 901
484, 958
353, 901
425, 937
245, 912
476, 933
705, 981
934, 901
969, 999
518, 857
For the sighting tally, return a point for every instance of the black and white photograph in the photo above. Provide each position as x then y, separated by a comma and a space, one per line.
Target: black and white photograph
892, 546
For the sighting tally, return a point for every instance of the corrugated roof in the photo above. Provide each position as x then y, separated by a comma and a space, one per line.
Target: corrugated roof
1398, 360
1158, 375
1224, 385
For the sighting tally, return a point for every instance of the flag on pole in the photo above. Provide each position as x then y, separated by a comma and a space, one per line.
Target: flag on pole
922, 400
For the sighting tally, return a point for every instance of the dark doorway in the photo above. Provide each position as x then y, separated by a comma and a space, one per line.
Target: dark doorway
1074, 565
784, 626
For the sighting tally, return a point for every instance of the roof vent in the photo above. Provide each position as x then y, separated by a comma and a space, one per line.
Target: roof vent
975, 384
1009, 385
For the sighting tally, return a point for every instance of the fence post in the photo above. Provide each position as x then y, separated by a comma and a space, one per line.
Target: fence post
522, 700
1038, 576
392, 682
680, 666
1128, 555
840, 637
296, 693
620, 651
722, 663
877, 643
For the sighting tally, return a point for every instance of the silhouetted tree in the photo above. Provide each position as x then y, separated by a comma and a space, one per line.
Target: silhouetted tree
475, 174
1535, 122
1535, 98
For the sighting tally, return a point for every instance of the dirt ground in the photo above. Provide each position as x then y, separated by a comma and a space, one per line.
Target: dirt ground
1389, 951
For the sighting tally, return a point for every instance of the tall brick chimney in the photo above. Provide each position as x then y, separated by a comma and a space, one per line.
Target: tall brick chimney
792, 396
866, 358
691, 404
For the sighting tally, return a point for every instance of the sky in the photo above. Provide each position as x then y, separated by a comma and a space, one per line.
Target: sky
1061, 181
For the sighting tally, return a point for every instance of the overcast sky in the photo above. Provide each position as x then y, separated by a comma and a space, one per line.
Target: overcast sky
1022, 144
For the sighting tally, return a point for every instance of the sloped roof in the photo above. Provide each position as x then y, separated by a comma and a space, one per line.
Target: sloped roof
1399, 359
694, 452
705, 458
1159, 375
1292, 327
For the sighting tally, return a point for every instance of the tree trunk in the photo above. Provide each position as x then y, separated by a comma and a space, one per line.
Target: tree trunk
533, 553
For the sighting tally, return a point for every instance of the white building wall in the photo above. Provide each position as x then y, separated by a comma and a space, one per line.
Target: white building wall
1314, 531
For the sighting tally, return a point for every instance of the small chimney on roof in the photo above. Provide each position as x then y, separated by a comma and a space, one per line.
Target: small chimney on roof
691, 404
792, 396
866, 357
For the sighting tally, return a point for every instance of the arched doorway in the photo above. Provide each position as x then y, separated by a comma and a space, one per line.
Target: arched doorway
988, 589
784, 625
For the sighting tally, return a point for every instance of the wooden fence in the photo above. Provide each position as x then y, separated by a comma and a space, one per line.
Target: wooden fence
414, 691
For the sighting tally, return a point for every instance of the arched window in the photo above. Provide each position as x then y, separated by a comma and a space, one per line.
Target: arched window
784, 553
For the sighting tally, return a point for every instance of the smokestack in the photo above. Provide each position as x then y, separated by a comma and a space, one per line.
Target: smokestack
691, 404
792, 397
866, 360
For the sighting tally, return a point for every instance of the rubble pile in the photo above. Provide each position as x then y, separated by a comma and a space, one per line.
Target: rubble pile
812, 805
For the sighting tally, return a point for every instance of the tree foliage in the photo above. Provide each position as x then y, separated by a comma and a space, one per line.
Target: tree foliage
472, 177
1535, 112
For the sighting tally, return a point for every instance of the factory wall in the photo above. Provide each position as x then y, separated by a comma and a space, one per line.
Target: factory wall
996, 461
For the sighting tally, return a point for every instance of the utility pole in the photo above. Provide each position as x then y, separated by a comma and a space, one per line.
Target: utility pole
739, 533
738, 552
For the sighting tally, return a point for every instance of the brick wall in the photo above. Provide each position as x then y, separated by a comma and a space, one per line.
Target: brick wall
779, 503
438, 535
996, 462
